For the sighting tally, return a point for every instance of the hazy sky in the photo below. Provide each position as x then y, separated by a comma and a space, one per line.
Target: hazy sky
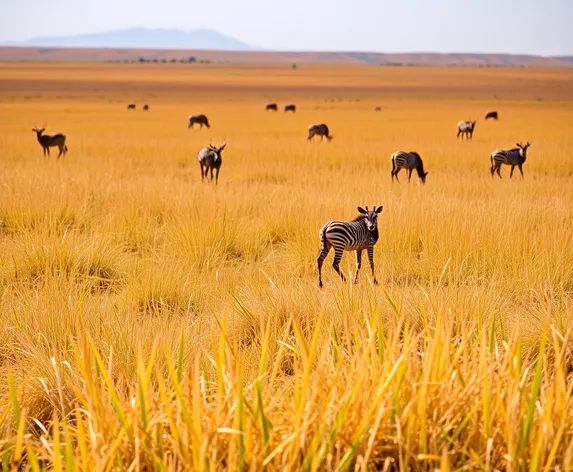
513, 26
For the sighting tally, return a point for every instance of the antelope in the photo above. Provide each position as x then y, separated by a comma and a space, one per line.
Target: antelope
466, 128
318, 130
272, 106
50, 140
491, 114
198, 119
209, 159
131, 106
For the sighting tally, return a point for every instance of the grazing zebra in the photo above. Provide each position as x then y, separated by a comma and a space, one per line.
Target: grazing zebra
50, 140
209, 159
491, 114
198, 119
357, 235
466, 128
318, 130
408, 161
513, 157
272, 106
290, 108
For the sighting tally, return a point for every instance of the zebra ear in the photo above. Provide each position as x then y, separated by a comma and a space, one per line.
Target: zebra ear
362, 210
379, 209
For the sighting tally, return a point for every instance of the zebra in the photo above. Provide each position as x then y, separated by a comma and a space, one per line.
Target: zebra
290, 107
466, 128
357, 235
198, 119
408, 161
491, 114
51, 140
272, 107
318, 130
513, 157
209, 159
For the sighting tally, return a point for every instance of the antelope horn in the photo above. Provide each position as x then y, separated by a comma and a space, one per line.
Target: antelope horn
366, 208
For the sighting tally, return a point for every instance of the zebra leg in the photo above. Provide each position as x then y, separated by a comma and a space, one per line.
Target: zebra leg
521, 170
48, 150
358, 264
217, 177
337, 258
410, 175
498, 169
320, 260
492, 169
396, 174
458, 135
371, 259
511, 173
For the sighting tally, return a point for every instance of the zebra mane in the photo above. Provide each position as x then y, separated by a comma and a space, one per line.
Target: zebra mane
358, 218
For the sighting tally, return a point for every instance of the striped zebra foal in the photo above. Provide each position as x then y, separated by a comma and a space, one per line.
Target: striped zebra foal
356, 235
408, 161
513, 157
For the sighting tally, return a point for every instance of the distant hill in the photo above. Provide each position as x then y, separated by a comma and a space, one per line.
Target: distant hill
143, 38
125, 54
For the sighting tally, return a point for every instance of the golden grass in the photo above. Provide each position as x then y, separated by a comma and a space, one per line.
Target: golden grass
150, 321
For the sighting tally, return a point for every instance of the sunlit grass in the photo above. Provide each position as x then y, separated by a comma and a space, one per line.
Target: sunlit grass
150, 321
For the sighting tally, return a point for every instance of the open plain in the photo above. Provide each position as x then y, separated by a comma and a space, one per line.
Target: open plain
150, 321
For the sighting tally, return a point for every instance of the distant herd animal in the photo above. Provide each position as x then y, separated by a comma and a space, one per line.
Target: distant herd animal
210, 158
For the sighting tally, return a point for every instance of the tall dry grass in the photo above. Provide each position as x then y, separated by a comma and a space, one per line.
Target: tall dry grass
153, 322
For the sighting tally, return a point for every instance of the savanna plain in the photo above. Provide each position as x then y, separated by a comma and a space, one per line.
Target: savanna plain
150, 321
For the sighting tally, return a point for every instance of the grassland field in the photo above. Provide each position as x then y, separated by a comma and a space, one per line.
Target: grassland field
150, 321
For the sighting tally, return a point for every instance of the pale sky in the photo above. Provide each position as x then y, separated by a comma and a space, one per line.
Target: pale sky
542, 27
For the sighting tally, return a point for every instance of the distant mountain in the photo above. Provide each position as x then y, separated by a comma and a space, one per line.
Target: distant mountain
143, 38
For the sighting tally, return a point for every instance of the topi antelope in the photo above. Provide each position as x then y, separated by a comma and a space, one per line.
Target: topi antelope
131, 106
198, 119
466, 128
291, 107
318, 130
50, 140
491, 114
272, 106
210, 159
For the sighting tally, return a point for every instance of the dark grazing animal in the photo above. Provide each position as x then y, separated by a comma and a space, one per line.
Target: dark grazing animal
318, 130
145, 107
50, 140
198, 119
378, 109
466, 128
408, 161
491, 114
357, 235
210, 159
290, 108
272, 106
131, 106
513, 157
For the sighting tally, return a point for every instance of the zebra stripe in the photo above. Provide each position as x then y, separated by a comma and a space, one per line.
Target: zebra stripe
357, 235
513, 157
408, 161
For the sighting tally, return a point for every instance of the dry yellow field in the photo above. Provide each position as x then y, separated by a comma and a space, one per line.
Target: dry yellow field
154, 322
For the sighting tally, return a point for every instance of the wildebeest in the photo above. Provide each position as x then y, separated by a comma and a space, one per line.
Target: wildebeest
513, 157
318, 130
131, 106
378, 109
491, 114
50, 140
210, 159
145, 107
290, 108
408, 161
198, 119
272, 106
356, 235
466, 128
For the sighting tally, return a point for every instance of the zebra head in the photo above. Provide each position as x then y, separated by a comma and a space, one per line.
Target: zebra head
370, 217
523, 148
